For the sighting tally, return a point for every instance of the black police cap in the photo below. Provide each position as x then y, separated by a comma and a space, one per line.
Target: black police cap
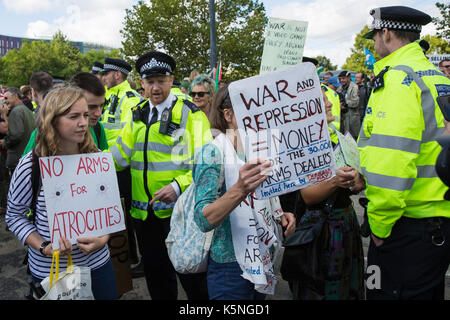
97, 68
117, 65
397, 18
155, 63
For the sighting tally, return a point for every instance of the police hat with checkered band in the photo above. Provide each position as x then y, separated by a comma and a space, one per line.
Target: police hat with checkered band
117, 65
155, 63
97, 68
397, 18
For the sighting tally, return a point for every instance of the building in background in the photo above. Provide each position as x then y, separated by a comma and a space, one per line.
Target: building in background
8, 43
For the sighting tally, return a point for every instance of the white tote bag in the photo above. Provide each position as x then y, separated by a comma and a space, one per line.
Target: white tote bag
72, 284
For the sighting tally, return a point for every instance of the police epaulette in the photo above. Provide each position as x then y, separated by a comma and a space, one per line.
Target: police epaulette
324, 88
131, 94
191, 106
378, 81
137, 110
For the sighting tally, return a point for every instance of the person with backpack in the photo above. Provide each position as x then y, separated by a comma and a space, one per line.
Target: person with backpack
223, 188
63, 125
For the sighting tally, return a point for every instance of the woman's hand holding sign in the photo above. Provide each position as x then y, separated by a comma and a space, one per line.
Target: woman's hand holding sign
252, 174
348, 177
90, 244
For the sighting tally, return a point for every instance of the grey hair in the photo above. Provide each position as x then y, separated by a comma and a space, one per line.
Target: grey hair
13, 91
206, 81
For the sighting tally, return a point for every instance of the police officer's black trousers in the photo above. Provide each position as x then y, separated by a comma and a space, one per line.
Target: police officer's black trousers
159, 272
412, 263
124, 181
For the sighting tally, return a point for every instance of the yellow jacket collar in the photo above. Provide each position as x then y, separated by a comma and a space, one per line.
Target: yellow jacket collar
122, 87
398, 57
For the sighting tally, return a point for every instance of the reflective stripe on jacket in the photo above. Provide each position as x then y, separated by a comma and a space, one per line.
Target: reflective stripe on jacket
397, 141
115, 117
168, 157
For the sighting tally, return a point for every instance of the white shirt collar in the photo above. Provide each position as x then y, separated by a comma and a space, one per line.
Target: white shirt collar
160, 107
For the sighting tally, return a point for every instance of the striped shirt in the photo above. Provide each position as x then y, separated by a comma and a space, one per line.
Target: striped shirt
19, 202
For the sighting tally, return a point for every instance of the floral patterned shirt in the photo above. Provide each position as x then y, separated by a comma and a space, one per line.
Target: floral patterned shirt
208, 167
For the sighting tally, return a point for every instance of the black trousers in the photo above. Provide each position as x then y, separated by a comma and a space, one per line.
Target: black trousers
124, 181
411, 266
159, 272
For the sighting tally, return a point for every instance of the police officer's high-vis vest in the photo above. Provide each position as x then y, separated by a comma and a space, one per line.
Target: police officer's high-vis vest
161, 153
177, 92
397, 141
336, 108
117, 112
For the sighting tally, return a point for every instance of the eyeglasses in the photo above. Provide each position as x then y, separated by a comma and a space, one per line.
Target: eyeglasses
201, 94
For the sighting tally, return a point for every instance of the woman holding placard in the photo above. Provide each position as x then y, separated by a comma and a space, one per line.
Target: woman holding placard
63, 126
223, 187
330, 263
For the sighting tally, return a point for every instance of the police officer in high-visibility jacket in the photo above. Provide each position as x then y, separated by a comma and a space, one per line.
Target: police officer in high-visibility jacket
159, 147
120, 98
333, 97
409, 252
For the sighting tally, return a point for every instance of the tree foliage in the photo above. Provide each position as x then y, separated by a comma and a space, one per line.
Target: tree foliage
443, 25
92, 56
181, 29
437, 45
328, 66
58, 57
356, 61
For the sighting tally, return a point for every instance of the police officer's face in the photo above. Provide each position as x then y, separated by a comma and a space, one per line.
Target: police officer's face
157, 88
380, 44
112, 78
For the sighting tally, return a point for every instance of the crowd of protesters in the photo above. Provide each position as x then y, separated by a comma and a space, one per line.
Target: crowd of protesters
106, 111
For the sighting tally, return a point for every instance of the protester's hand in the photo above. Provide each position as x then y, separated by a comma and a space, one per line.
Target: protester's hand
90, 244
378, 242
346, 177
360, 183
4, 111
288, 223
167, 195
252, 174
65, 247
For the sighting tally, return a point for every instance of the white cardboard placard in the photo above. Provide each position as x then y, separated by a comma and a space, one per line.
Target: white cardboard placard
81, 195
281, 117
283, 45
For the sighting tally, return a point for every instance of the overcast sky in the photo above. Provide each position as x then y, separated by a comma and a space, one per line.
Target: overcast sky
331, 31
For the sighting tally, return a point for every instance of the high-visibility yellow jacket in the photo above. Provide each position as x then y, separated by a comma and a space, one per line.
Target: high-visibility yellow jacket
156, 159
397, 141
117, 114
177, 91
336, 108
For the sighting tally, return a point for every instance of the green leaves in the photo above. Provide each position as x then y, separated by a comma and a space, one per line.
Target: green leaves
181, 29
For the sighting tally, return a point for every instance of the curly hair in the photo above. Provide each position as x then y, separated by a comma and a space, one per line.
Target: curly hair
205, 81
57, 103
